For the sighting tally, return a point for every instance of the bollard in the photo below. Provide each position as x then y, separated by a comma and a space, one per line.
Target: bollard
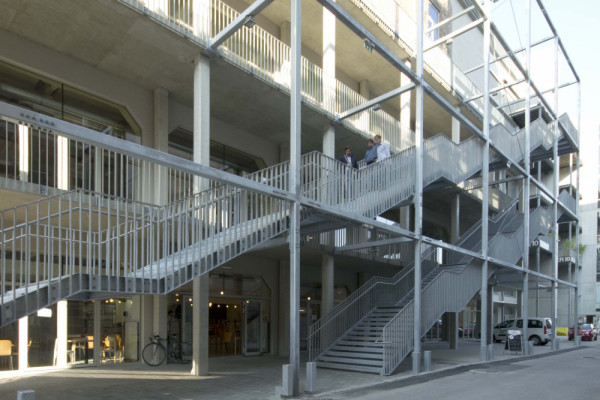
287, 387
26, 395
530, 348
311, 377
490, 352
556, 344
427, 361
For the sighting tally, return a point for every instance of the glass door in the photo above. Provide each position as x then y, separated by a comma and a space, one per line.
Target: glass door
252, 328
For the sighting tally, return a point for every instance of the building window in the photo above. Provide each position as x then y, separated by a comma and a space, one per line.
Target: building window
433, 18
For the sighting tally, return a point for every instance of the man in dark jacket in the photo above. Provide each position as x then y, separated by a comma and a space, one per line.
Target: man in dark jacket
349, 159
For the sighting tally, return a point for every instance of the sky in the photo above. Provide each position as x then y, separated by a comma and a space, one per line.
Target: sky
578, 25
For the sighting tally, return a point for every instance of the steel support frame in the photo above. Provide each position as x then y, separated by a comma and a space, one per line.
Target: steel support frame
250, 12
373, 102
485, 177
526, 183
454, 34
555, 181
494, 90
344, 17
295, 160
366, 245
450, 19
418, 197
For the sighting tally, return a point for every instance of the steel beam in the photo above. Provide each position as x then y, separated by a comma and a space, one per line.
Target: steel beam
250, 12
378, 100
376, 243
494, 90
450, 19
454, 34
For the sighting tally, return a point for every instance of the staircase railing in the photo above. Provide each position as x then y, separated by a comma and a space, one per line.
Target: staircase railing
452, 290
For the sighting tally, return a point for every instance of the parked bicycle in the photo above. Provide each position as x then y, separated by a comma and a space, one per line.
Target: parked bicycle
156, 352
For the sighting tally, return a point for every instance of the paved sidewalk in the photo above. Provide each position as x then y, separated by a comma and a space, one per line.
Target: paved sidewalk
230, 377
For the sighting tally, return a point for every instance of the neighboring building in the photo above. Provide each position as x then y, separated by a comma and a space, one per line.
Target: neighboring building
147, 186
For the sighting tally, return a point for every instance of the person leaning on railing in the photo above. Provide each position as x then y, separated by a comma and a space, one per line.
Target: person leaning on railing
383, 149
371, 153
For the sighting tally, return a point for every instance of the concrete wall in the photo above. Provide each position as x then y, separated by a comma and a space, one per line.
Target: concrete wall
37, 58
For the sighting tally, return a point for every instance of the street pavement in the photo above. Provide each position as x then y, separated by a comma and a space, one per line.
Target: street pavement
569, 374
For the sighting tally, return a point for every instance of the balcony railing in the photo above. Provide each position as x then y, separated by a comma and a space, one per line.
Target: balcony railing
262, 54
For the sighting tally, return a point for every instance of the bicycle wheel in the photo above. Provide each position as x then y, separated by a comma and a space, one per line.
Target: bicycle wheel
154, 354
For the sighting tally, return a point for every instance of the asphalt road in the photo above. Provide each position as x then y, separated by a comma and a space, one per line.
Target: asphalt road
569, 375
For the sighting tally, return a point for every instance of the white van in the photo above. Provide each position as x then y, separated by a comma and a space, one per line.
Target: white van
539, 330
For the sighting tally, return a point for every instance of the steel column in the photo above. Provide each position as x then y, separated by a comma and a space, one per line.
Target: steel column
526, 182
577, 236
555, 177
418, 198
295, 145
485, 177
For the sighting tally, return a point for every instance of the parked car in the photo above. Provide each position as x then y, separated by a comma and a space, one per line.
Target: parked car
586, 331
539, 330
467, 331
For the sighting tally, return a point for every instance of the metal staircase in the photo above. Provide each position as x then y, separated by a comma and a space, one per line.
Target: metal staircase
371, 330
80, 243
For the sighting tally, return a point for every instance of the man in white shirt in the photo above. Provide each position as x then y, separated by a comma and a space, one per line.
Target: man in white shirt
383, 149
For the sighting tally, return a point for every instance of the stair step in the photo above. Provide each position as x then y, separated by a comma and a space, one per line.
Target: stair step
353, 361
375, 356
349, 367
359, 349
368, 329
346, 342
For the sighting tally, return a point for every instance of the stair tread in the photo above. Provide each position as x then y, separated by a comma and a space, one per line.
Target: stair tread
349, 367
353, 355
360, 343
359, 349
353, 361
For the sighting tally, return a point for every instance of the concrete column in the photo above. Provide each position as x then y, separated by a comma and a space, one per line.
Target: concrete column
327, 283
202, 156
97, 332
452, 330
405, 100
329, 83
161, 142
284, 306
284, 152
160, 315
23, 341
363, 89
285, 32
146, 323
62, 163
455, 218
490, 315
405, 217
329, 141
200, 325
23, 141
61, 333
455, 130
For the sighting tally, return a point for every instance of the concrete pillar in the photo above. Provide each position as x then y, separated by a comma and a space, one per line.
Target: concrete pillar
97, 332
363, 89
200, 284
285, 32
62, 163
329, 141
23, 141
452, 330
161, 142
146, 322
405, 217
455, 218
327, 283
200, 325
405, 100
23, 341
455, 130
284, 306
61, 333
160, 315
284, 152
490, 315
329, 83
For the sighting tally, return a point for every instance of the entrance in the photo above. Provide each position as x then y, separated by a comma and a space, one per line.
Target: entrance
252, 327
